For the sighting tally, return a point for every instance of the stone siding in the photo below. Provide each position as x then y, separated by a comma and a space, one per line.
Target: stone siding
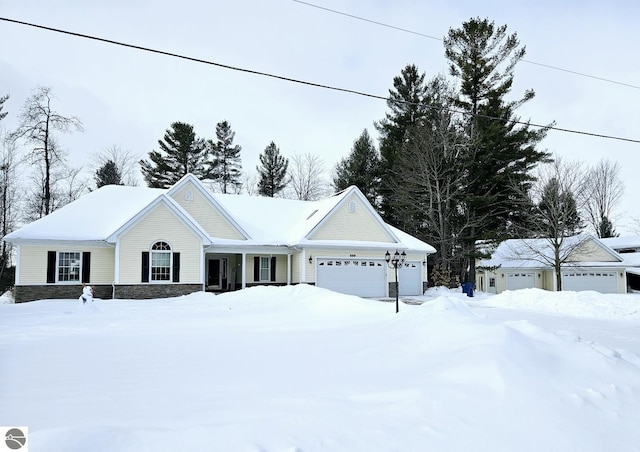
105, 292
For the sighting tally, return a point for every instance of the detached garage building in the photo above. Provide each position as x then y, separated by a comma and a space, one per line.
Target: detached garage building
588, 264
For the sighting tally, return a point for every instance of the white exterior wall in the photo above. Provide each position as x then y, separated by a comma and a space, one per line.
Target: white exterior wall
358, 225
33, 263
207, 216
160, 224
589, 252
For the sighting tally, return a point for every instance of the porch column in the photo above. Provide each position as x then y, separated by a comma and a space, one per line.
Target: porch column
303, 273
289, 269
244, 270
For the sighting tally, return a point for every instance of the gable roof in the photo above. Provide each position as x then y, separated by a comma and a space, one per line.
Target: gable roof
529, 253
197, 184
174, 207
104, 214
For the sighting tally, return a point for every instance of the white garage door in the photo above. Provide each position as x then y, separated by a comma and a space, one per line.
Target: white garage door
521, 280
410, 279
362, 277
600, 281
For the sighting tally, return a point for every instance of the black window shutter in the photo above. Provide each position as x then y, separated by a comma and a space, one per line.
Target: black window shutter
273, 268
176, 267
256, 268
86, 267
145, 266
51, 267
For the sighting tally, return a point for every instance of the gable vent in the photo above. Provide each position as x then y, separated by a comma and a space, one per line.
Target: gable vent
352, 207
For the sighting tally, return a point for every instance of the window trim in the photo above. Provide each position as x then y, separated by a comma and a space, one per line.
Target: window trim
267, 269
168, 252
57, 268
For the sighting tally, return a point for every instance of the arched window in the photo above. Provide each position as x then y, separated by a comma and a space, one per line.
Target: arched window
161, 261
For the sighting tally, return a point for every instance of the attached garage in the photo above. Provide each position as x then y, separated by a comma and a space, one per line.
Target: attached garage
600, 281
520, 280
362, 277
410, 279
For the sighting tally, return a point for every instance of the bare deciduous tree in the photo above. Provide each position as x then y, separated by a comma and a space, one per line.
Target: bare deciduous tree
552, 223
38, 123
603, 191
8, 196
306, 180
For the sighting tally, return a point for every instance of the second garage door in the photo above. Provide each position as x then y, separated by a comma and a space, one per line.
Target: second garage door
410, 279
362, 277
600, 281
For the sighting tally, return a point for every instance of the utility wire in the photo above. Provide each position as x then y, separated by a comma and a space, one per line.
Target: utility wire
548, 66
302, 82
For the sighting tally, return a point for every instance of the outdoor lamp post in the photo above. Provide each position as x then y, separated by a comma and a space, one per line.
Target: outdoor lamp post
394, 262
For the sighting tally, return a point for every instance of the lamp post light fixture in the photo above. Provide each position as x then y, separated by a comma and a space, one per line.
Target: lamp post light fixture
396, 261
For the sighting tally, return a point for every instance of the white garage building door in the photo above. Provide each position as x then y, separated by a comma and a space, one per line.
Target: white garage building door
410, 279
521, 280
362, 277
600, 281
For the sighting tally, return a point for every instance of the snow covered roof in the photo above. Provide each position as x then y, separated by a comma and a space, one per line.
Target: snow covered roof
92, 217
538, 253
617, 243
102, 214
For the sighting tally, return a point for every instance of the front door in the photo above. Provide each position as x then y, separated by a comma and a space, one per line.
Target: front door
217, 277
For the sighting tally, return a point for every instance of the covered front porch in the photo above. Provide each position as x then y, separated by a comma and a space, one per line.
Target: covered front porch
225, 270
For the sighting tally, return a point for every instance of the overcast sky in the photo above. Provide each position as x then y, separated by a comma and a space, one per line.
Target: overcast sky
128, 98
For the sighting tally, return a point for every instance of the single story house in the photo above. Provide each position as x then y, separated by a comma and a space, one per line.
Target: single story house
629, 249
526, 263
138, 242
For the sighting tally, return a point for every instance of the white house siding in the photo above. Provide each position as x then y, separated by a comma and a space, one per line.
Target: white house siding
207, 216
359, 224
160, 224
33, 263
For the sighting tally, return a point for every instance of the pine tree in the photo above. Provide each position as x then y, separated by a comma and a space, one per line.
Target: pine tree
108, 174
223, 160
272, 171
501, 153
407, 111
360, 168
181, 152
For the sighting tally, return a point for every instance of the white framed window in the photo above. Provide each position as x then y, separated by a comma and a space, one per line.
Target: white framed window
492, 282
160, 262
265, 268
69, 267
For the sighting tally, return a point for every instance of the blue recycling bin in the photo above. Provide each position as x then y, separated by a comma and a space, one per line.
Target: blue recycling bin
468, 289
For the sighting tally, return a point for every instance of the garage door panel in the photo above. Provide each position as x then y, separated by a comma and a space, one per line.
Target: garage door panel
520, 280
599, 281
410, 279
362, 277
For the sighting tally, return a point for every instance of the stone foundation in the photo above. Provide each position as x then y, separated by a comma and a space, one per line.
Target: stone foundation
105, 292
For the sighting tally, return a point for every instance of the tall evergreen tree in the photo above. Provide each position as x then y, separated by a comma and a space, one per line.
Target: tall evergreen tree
272, 171
108, 174
223, 160
406, 111
502, 152
360, 168
181, 152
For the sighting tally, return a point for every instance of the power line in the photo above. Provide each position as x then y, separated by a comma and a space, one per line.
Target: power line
288, 79
405, 30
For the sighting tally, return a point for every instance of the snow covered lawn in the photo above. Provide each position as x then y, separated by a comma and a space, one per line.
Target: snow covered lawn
304, 369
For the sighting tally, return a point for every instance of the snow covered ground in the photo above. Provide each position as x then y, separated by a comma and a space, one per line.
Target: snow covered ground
303, 369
